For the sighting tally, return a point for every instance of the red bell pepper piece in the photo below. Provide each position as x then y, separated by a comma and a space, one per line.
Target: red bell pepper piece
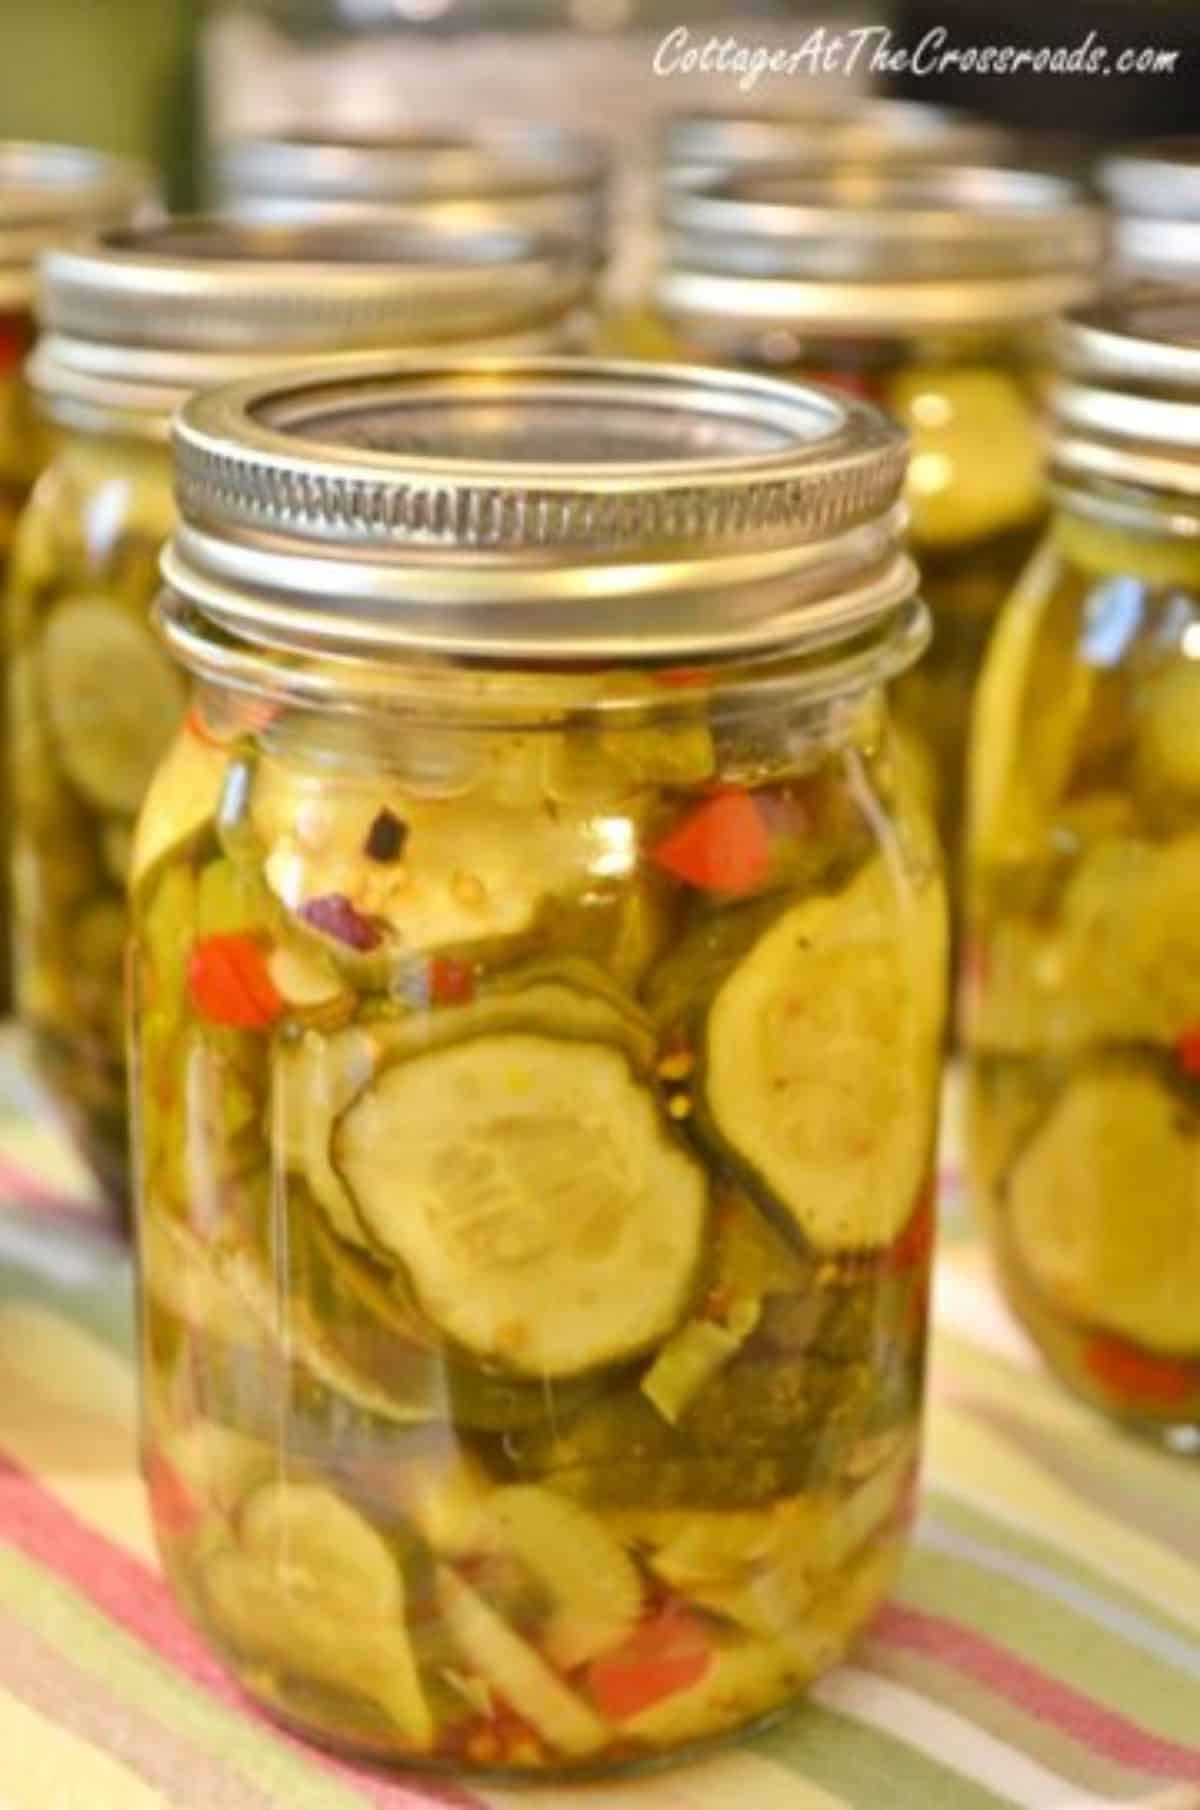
1187, 1052
668, 1652
913, 1244
451, 983
724, 845
1143, 1379
229, 982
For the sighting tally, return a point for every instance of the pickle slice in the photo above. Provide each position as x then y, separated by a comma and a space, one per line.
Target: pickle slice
518, 1672
311, 1538
821, 1057
591, 1580
113, 699
546, 1217
181, 799
302, 1632
1105, 1209
976, 463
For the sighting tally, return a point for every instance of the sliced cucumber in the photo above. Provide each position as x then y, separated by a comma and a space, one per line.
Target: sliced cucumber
1105, 1209
976, 464
181, 800
821, 1059
472, 867
518, 1672
313, 1080
302, 1634
538, 1202
113, 698
590, 1578
314, 1541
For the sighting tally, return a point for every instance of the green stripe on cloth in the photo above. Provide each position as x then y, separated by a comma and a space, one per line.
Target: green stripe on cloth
57, 1615
1061, 1574
86, 1276
1018, 1729
1056, 1639
870, 1769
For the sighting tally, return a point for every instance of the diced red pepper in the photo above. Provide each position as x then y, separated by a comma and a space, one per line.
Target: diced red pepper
1187, 1052
724, 845
914, 1243
668, 1652
851, 383
229, 982
1141, 1378
451, 983
680, 678
176, 1509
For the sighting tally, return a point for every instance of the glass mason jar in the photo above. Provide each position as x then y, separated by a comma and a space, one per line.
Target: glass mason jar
927, 292
132, 324
1082, 1008
1153, 188
542, 178
537, 983
48, 193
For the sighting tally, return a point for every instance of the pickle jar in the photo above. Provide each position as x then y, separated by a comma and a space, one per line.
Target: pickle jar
540, 177
1153, 188
537, 980
131, 324
47, 193
1082, 1002
928, 292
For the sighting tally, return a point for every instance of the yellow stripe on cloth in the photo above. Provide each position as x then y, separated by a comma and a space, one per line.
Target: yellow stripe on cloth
726, 1781
45, 1767
68, 1413
976, 1464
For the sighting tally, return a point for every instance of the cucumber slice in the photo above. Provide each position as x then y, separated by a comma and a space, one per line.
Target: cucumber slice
518, 1672
976, 463
303, 1634
312, 1081
472, 867
591, 1580
314, 1541
528, 1186
821, 1059
181, 800
113, 698
1105, 1209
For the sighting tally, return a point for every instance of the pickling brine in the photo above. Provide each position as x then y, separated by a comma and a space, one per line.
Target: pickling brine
536, 1066
1082, 997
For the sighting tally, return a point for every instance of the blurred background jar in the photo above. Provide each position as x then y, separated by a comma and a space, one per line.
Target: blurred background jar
928, 290
1082, 1009
1153, 189
48, 194
131, 324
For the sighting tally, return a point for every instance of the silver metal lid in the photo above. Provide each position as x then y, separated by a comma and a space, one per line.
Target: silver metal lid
540, 177
1154, 188
865, 249
1126, 406
538, 510
136, 319
49, 193
704, 147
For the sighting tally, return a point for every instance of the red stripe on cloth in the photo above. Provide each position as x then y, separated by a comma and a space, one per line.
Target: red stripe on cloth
29, 1189
136, 1598
1091, 1724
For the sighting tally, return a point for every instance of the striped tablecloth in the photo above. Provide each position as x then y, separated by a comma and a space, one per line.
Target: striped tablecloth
1042, 1649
